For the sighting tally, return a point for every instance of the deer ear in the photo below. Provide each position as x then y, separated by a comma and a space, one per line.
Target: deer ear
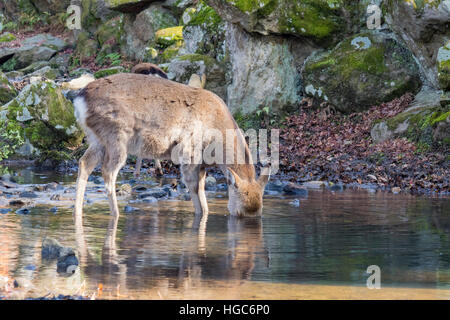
232, 178
264, 177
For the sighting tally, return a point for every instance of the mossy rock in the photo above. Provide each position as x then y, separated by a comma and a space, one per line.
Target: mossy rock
443, 65
42, 117
322, 21
169, 36
429, 127
204, 32
7, 37
7, 90
87, 47
361, 71
128, 6
108, 72
110, 31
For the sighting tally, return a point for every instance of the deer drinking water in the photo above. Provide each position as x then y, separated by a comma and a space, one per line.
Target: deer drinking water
135, 114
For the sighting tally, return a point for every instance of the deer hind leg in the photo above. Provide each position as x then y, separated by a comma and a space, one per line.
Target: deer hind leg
115, 159
137, 170
87, 164
158, 168
194, 177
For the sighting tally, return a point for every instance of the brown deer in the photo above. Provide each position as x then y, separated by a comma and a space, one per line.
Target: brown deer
132, 113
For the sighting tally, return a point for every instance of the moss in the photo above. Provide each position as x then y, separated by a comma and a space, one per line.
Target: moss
208, 61
110, 31
42, 115
170, 53
169, 36
318, 19
7, 90
9, 65
204, 16
7, 37
108, 72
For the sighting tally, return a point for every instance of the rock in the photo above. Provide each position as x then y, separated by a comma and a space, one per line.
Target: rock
139, 33
295, 189
276, 186
60, 62
44, 120
4, 210
128, 6
427, 125
314, 184
130, 209
124, 189
150, 200
41, 47
46, 72
269, 81
78, 83
67, 260
54, 209
361, 71
211, 183
169, 36
443, 66
396, 190
108, 72
181, 69
34, 67
86, 46
295, 203
416, 23
51, 6
7, 90
321, 20
156, 193
204, 32
50, 249
28, 194
23, 211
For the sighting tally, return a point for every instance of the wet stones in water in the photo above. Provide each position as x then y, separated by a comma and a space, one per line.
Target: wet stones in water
156, 193
276, 186
150, 200
336, 187
295, 189
67, 260
124, 190
4, 210
295, 203
315, 184
54, 209
96, 179
222, 187
53, 186
130, 209
55, 197
211, 184
28, 194
23, 211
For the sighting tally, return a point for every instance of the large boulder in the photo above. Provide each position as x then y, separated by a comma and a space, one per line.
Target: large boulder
128, 6
183, 67
41, 47
139, 30
7, 90
361, 71
424, 26
43, 120
320, 20
203, 32
51, 6
264, 71
428, 126
443, 64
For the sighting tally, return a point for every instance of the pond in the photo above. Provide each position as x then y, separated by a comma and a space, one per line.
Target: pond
320, 249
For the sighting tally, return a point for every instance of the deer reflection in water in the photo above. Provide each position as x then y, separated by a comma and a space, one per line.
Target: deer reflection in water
151, 258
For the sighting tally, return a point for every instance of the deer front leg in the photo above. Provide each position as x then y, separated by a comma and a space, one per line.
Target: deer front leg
194, 178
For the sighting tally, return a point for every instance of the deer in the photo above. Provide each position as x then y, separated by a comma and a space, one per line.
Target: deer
132, 113
195, 81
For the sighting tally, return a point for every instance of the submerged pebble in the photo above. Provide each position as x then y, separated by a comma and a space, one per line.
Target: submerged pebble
130, 209
4, 210
23, 211
295, 203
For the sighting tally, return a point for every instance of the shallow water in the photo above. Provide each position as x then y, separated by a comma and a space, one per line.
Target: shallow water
320, 250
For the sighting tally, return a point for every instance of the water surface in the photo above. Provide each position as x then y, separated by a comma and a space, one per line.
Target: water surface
320, 250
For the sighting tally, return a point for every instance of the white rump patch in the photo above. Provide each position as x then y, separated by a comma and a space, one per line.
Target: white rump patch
80, 111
